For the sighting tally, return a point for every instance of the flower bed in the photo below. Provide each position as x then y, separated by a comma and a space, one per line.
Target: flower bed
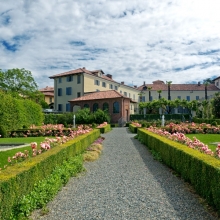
177, 133
18, 180
201, 170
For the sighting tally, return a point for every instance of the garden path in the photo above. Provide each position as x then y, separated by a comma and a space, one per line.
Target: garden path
126, 183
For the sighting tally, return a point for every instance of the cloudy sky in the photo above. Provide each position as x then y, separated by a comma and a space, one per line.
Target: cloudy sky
134, 40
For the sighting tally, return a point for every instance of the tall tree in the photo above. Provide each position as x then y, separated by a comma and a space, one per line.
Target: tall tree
159, 92
206, 83
149, 89
18, 82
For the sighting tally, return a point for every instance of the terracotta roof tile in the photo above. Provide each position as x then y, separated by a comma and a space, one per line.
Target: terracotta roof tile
110, 94
180, 87
47, 89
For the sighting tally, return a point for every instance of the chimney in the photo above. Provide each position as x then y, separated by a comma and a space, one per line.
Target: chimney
84, 68
122, 83
135, 87
109, 76
144, 83
199, 84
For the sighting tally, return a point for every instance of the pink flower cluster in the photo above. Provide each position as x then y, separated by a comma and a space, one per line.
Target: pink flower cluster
181, 138
18, 157
136, 124
189, 128
102, 125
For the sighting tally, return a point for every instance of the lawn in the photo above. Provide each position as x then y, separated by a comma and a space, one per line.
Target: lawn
208, 139
9, 153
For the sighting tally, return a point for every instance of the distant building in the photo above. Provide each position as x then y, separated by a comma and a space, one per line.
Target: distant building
188, 92
117, 105
48, 96
80, 82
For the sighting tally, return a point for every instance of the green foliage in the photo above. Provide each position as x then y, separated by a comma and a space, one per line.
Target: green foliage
18, 82
45, 190
19, 180
84, 116
101, 116
3, 132
216, 106
201, 170
16, 113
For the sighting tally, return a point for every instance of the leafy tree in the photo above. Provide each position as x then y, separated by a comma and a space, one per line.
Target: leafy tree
159, 92
216, 106
208, 80
18, 82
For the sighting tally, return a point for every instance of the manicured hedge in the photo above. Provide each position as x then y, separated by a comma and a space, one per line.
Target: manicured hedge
201, 170
19, 179
133, 128
16, 113
207, 121
153, 117
105, 129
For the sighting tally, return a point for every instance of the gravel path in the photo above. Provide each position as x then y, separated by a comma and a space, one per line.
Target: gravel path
126, 183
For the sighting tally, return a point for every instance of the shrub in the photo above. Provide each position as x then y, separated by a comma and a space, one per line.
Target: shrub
3, 132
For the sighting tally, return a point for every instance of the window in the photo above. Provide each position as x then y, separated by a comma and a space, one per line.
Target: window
197, 97
86, 106
216, 83
133, 96
105, 106
78, 94
97, 90
95, 107
188, 98
78, 79
116, 87
115, 107
125, 93
151, 98
60, 107
110, 86
143, 98
69, 78
51, 99
60, 80
96, 82
59, 91
179, 97
129, 95
103, 84
68, 107
131, 107
68, 90
120, 91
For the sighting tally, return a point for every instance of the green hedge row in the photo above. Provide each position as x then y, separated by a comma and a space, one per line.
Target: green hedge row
133, 128
105, 129
16, 113
207, 121
151, 117
19, 179
200, 170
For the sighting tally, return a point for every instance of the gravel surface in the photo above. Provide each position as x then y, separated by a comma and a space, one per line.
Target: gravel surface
125, 183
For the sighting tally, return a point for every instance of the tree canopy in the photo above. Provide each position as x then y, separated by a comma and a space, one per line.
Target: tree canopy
18, 81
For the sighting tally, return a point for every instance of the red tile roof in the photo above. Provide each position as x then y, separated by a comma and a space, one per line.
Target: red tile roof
83, 70
48, 93
160, 85
47, 89
110, 94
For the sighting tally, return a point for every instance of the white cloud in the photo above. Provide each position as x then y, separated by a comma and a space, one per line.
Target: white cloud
175, 40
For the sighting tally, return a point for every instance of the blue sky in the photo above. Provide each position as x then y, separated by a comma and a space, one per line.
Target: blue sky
134, 40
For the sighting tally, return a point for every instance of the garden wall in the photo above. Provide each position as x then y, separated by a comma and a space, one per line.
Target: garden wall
19, 179
200, 170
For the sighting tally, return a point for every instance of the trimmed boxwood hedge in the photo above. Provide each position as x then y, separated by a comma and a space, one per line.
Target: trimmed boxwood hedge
19, 179
200, 170
133, 128
105, 129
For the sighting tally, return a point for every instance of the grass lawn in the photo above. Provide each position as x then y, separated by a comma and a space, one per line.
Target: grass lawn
9, 153
206, 139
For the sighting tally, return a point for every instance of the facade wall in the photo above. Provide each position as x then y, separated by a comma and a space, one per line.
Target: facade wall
92, 84
75, 89
48, 99
124, 107
187, 95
